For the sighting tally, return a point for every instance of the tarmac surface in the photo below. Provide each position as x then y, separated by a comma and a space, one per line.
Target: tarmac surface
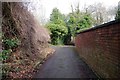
65, 63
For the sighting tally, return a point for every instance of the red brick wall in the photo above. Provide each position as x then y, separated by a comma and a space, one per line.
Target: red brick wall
100, 48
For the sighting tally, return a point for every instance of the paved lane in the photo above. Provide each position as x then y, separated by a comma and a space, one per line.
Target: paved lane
64, 63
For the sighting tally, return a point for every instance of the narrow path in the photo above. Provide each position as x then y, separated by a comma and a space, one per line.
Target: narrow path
65, 63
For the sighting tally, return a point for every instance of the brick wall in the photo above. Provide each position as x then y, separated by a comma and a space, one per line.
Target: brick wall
100, 48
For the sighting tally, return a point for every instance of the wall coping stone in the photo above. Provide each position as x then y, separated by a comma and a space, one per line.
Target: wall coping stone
100, 26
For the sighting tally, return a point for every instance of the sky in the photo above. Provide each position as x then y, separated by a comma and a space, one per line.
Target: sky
44, 7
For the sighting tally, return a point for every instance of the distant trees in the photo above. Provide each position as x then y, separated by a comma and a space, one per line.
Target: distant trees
98, 12
63, 28
77, 21
57, 27
118, 11
112, 12
37, 9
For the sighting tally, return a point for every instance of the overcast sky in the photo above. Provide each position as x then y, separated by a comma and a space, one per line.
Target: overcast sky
65, 5
44, 7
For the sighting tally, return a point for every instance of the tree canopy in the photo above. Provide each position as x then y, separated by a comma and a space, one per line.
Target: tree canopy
57, 27
64, 27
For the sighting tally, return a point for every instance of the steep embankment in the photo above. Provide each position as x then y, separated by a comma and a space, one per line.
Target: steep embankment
30, 40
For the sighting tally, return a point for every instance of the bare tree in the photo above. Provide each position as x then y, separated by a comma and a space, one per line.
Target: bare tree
98, 12
112, 12
118, 11
37, 9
